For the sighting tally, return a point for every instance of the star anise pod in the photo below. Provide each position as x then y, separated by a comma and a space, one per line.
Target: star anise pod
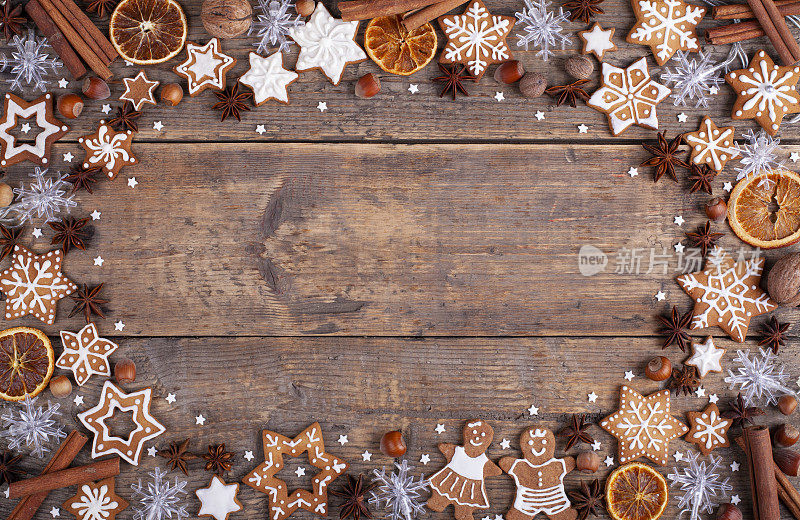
9, 237
576, 431
101, 7
178, 456
353, 493
702, 176
217, 459
13, 20
453, 76
569, 93
774, 334
583, 9
740, 413
70, 233
665, 156
82, 177
589, 499
232, 102
8, 466
88, 302
126, 118
684, 380
704, 238
674, 328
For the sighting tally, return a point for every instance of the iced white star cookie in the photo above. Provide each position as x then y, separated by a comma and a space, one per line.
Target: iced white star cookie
205, 66
706, 357
268, 78
597, 41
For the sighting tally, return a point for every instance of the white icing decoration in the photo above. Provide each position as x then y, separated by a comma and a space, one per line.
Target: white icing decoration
14, 113
667, 29
95, 503
548, 497
476, 37
218, 500
85, 353
711, 429
706, 357
205, 66
597, 41
712, 146
268, 78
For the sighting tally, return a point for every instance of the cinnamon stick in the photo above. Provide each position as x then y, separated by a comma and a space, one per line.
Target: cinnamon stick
734, 32
763, 484
743, 11
62, 458
64, 478
418, 19
769, 28
788, 494
363, 9
55, 38
783, 30
92, 35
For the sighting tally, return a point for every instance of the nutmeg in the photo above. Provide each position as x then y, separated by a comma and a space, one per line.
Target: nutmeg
729, 512
783, 280
125, 371
60, 386
509, 72
579, 66
532, 85
787, 460
226, 18
716, 209
305, 7
787, 404
786, 435
587, 462
6, 195
70, 105
393, 444
171, 94
95, 88
368, 85
658, 369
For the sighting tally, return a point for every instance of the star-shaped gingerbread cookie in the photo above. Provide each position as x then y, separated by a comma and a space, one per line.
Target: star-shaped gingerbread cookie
96, 501
111, 400
50, 130
727, 293
476, 38
34, 284
205, 66
709, 430
108, 149
597, 41
666, 26
643, 426
263, 478
139, 90
85, 353
711, 145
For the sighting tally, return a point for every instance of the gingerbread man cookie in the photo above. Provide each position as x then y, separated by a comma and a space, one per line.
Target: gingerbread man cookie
460, 482
539, 477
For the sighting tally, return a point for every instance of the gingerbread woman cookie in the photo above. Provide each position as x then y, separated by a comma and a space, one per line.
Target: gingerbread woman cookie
539, 477
460, 482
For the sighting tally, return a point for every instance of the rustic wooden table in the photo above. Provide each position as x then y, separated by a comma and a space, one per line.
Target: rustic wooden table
391, 263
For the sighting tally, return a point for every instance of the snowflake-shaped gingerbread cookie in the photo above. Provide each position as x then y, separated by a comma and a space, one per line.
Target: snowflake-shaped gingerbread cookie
268, 78
205, 66
108, 149
711, 145
709, 430
85, 353
665, 26
96, 501
476, 38
16, 113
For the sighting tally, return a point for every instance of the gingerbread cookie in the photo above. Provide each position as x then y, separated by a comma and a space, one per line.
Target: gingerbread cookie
643, 426
139, 90
597, 41
666, 26
111, 400
50, 130
460, 482
476, 38
711, 145
765, 92
709, 430
327, 44
34, 284
268, 78
218, 500
205, 66
727, 294
539, 477
96, 501
108, 149
706, 357
85, 353
264, 479
628, 97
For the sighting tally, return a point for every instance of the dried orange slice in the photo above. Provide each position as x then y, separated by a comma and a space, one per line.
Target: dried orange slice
395, 49
764, 210
26, 363
636, 491
146, 32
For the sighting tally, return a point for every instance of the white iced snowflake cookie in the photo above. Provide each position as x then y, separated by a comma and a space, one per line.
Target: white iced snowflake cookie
711, 145
268, 78
85, 353
665, 26
597, 41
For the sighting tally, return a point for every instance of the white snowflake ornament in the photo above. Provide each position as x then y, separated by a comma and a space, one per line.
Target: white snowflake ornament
159, 498
760, 380
273, 23
759, 155
32, 426
541, 27
45, 197
399, 493
693, 79
702, 484
29, 62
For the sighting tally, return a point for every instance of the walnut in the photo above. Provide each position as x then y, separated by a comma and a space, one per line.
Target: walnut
226, 18
783, 280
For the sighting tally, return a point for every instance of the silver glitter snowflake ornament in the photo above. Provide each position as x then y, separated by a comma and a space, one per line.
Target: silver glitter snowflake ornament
44, 197
32, 426
542, 28
399, 493
273, 24
759, 155
694, 79
760, 380
29, 62
159, 499
702, 484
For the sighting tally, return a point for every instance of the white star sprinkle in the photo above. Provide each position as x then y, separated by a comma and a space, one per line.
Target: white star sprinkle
55, 512
366, 456
132, 182
701, 392
200, 420
539, 115
37, 232
158, 126
300, 471
343, 440
596, 445
68, 157
170, 398
322, 106
633, 172
95, 215
499, 96
678, 456
660, 296
440, 428
505, 444
425, 459
734, 466
582, 129
152, 451
609, 462
106, 109
25, 128
727, 186
714, 90
682, 117
678, 220
248, 455
98, 261
260, 130
78, 400
679, 247
533, 410
592, 397
735, 499
119, 325
413, 88
629, 375
63, 83
713, 399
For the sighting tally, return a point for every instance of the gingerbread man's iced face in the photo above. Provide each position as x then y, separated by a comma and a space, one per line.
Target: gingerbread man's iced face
538, 445
477, 437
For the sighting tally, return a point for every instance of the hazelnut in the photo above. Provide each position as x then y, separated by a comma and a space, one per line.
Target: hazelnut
60, 386
716, 209
305, 7
171, 94
392, 444
368, 85
509, 72
588, 462
6, 195
579, 66
226, 18
729, 512
532, 85
787, 460
95, 88
787, 404
125, 371
786, 435
70, 105
658, 369
783, 280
